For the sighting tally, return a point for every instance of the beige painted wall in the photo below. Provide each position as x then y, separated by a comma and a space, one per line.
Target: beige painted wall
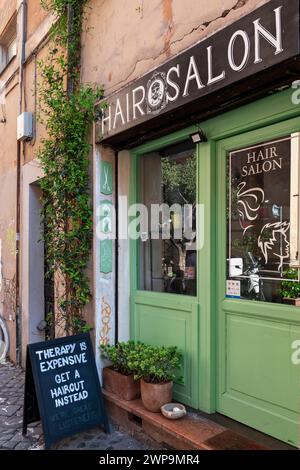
127, 38
8, 155
9, 78
7, 8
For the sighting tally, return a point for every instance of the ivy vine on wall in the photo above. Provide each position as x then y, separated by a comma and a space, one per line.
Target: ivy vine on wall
66, 108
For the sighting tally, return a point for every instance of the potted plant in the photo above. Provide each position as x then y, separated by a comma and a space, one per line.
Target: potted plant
290, 290
156, 367
118, 377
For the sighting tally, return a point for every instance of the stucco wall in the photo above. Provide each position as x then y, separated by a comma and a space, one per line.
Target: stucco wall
8, 157
36, 15
127, 38
7, 8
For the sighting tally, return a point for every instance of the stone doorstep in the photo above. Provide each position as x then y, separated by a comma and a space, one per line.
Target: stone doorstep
188, 433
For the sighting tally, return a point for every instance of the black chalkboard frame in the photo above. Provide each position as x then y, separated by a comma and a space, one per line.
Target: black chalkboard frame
35, 402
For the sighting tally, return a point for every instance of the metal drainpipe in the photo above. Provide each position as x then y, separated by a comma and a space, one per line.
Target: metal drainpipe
23, 9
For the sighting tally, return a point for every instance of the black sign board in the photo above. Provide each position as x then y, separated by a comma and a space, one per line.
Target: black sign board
62, 388
248, 48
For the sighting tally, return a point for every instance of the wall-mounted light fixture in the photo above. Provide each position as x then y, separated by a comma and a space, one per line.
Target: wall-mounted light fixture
198, 137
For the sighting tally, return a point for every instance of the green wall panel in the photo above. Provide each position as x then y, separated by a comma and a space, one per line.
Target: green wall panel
171, 323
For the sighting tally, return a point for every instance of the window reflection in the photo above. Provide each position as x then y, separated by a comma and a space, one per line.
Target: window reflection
167, 259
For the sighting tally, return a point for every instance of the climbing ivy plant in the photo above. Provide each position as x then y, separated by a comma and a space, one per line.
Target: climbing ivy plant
66, 107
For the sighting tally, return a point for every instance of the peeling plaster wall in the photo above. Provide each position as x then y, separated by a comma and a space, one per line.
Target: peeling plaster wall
127, 38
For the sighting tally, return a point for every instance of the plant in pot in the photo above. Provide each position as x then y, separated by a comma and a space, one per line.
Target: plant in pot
290, 289
156, 367
118, 377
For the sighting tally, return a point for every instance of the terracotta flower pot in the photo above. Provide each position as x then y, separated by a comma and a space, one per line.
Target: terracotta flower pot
154, 396
124, 386
290, 301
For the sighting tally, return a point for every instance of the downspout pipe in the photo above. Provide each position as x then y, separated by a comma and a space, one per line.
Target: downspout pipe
18, 309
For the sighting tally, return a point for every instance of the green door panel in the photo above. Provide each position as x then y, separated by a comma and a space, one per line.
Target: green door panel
169, 321
282, 426
259, 361
257, 383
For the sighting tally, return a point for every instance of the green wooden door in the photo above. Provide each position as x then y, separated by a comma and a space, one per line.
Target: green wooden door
159, 314
257, 382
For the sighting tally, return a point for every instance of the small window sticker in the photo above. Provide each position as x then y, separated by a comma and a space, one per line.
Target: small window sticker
233, 289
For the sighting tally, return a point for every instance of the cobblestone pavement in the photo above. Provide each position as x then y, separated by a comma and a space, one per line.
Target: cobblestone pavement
11, 412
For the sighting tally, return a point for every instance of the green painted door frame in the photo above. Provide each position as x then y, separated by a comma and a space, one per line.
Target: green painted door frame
273, 116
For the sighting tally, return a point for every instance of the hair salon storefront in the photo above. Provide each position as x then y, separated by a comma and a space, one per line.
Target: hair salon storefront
216, 127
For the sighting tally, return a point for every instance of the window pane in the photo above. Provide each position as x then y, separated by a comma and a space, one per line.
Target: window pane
167, 250
8, 43
263, 222
11, 49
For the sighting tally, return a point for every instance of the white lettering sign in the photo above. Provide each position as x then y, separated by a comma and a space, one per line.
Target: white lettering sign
219, 60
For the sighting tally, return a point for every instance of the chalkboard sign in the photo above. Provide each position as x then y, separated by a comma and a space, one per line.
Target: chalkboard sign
62, 388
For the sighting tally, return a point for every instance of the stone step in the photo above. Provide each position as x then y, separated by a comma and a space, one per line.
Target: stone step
191, 432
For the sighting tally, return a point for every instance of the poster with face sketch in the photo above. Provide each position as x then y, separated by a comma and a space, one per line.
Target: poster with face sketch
259, 210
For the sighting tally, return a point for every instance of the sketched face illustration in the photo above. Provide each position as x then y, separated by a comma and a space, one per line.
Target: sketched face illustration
248, 204
275, 234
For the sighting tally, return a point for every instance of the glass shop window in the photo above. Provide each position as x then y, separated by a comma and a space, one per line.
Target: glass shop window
167, 251
263, 222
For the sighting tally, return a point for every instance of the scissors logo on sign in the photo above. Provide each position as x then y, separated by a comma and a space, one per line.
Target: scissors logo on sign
106, 183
